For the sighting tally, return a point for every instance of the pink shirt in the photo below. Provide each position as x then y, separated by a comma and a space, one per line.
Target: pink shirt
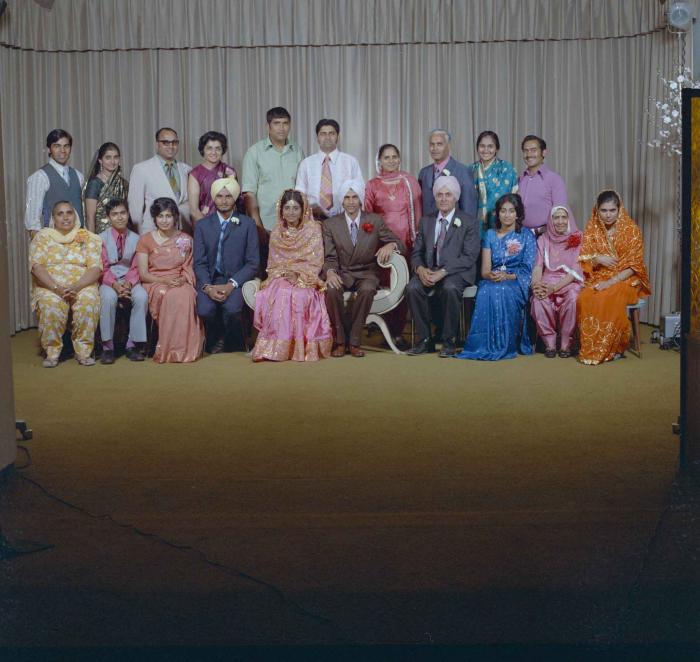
439, 167
540, 192
108, 278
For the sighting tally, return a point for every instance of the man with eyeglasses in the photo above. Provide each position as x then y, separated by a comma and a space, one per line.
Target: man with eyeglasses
52, 183
161, 176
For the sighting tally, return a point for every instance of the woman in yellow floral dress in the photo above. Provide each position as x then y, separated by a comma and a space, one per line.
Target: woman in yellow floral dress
65, 261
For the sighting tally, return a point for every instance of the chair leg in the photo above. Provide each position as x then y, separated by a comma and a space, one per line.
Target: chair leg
379, 321
636, 345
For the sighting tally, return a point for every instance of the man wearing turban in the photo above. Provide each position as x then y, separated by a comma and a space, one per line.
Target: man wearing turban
353, 242
226, 255
443, 261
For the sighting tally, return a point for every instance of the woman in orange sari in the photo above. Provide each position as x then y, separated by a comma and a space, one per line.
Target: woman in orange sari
612, 259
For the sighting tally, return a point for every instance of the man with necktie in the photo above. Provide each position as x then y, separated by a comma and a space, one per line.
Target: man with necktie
161, 176
226, 255
353, 242
444, 263
321, 174
444, 164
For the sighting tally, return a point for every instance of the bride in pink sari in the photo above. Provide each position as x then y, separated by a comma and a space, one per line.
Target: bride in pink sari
290, 310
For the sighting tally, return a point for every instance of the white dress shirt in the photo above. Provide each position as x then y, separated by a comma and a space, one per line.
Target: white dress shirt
343, 167
37, 186
448, 218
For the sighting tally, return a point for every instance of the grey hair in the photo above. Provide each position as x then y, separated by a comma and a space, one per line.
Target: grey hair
445, 132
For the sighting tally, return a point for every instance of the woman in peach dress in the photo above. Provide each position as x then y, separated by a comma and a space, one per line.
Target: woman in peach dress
165, 266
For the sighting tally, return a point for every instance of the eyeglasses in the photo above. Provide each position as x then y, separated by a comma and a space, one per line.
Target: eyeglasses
169, 143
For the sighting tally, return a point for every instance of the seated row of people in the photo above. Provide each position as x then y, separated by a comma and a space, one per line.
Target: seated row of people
188, 284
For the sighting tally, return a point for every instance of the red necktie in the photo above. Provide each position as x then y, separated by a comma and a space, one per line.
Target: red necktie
120, 246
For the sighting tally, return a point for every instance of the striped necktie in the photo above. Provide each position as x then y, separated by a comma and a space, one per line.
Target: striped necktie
170, 169
325, 197
353, 232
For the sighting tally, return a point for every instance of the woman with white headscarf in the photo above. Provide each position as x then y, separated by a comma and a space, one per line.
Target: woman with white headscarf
66, 263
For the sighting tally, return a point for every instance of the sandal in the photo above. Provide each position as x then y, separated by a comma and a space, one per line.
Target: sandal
550, 353
88, 360
49, 363
564, 353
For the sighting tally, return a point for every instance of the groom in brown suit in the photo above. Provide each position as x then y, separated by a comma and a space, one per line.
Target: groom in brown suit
353, 241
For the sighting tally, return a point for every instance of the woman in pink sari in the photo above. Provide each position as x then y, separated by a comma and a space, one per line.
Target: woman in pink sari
556, 281
396, 196
290, 310
165, 265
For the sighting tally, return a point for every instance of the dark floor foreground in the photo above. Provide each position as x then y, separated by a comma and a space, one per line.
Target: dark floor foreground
385, 500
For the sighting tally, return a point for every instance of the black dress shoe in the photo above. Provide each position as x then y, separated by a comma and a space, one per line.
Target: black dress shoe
134, 354
218, 347
107, 357
448, 349
425, 346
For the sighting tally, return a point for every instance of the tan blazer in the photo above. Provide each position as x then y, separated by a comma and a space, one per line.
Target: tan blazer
358, 260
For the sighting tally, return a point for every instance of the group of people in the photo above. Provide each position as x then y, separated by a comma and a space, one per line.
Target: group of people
180, 242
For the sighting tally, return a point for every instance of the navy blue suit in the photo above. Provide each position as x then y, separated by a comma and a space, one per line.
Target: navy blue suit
240, 260
468, 201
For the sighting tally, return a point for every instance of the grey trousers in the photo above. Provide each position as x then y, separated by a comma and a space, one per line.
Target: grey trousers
108, 313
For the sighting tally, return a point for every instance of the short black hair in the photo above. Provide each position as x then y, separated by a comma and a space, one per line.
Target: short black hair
517, 202
164, 128
278, 113
325, 122
543, 144
55, 135
164, 204
489, 134
114, 203
213, 136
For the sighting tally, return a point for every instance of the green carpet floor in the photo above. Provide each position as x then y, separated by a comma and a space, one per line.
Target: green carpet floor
389, 499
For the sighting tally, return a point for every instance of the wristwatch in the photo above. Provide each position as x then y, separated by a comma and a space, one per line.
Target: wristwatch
233, 282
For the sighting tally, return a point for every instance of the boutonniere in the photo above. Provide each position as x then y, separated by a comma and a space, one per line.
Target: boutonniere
368, 227
446, 172
81, 236
574, 240
182, 243
457, 223
513, 246
234, 220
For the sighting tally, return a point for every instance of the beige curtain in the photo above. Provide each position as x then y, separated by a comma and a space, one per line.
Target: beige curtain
578, 73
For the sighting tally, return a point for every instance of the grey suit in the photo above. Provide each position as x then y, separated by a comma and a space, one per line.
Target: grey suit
458, 257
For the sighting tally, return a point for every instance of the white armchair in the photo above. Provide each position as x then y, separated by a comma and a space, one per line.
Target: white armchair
386, 298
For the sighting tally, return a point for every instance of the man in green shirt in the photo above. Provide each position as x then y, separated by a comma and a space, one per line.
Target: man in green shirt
270, 167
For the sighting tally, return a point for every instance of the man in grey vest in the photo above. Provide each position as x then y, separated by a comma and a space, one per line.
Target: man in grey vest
120, 281
52, 183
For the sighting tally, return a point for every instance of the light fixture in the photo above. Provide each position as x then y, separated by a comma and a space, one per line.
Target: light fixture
679, 16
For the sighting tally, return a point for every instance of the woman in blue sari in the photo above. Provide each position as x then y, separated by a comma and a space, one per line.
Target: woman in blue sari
499, 326
493, 177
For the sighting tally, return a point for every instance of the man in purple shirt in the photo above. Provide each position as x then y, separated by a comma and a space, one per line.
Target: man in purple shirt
538, 186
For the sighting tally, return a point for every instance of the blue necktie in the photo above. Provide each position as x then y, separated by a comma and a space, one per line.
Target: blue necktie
219, 256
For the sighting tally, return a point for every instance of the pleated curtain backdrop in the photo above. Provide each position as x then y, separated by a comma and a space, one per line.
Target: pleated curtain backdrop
579, 73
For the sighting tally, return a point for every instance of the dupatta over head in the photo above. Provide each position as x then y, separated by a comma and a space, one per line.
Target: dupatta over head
560, 251
298, 250
626, 246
